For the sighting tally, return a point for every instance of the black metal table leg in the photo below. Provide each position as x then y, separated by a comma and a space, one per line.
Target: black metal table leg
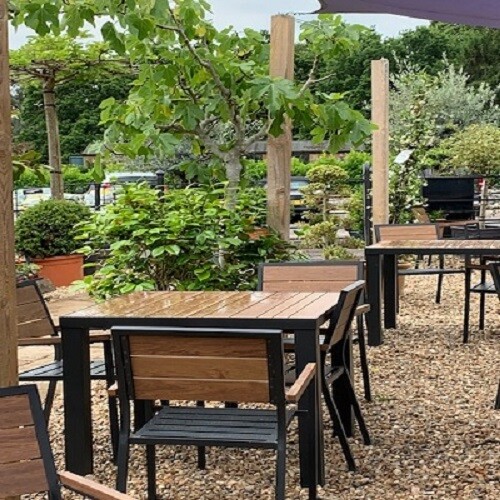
342, 355
390, 274
310, 420
77, 410
373, 318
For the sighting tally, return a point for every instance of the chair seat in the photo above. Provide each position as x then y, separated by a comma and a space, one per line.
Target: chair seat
484, 288
200, 426
54, 371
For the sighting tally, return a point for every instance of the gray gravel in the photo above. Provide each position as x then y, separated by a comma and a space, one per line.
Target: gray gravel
435, 433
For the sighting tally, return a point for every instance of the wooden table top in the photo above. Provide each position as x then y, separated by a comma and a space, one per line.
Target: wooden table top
461, 247
230, 305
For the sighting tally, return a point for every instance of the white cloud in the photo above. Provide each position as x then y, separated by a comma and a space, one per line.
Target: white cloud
257, 14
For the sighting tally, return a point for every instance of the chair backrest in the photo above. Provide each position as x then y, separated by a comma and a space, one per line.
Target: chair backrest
33, 316
311, 276
344, 311
401, 232
495, 271
199, 364
26, 460
474, 232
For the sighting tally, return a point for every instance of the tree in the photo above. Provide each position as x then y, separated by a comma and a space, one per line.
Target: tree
211, 86
78, 111
51, 61
349, 72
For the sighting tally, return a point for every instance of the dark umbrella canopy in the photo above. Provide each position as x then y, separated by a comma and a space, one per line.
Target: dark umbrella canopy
472, 12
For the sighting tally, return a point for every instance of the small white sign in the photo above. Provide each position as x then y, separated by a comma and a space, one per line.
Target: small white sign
403, 156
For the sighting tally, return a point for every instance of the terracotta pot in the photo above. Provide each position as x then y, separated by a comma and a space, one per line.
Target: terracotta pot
62, 271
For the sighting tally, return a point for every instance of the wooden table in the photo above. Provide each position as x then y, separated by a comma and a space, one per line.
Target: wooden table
381, 263
302, 313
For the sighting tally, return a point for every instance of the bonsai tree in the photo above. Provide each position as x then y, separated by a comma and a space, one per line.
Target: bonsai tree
48, 228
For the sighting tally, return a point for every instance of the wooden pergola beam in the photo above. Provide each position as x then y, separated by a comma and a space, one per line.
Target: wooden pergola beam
279, 152
8, 323
380, 141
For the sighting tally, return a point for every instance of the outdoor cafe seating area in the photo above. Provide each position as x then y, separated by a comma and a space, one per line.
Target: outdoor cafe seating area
423, 400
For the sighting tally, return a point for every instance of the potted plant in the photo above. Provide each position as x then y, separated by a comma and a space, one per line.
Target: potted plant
45, 235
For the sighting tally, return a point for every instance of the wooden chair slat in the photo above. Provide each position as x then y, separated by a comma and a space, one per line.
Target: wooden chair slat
22, 478
193, 346
18, 444
248, 391
35, 329
306, 286
398, 232
344, 273
15, 411
31, 312
199, 367
27, 295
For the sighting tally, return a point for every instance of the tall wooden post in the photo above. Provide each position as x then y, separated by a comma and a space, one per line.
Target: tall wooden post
8, 323
380, 141
279, 149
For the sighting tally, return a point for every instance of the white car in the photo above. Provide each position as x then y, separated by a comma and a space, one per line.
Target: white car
110, 183
28, 197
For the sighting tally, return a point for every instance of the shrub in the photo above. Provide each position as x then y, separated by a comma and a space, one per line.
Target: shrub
476, 149
188, 241
353, 164
75, 180
335, 252
48, 228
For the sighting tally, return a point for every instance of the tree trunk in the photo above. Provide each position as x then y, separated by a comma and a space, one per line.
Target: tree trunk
233, 173
8, 321
52, 124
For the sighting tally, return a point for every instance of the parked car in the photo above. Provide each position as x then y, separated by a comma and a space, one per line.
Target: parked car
297, 203
110, 185
297, 196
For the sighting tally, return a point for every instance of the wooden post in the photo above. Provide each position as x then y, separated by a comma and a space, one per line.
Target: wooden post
8, 323
279, 150
380, 141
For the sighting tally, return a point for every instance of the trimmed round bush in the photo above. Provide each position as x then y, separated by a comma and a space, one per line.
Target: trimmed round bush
48, 228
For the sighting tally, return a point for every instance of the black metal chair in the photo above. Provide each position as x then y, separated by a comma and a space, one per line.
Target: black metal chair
484, 287
36, 328
333, 343
495, 271
26, 461
201, 364
321, 276
399, 232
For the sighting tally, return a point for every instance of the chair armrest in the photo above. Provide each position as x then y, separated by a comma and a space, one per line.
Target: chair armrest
39, 341
90, 488
362, 309
300, 385
93, 337
113, 390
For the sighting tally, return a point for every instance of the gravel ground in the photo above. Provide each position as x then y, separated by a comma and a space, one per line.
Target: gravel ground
435, 433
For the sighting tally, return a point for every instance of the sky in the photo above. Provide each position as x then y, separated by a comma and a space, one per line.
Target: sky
257, 14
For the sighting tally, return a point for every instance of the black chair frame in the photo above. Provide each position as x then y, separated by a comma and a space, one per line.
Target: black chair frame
32, 469
157, 425
495, 271
483, 288
330, 373
360, 338
53, 372
440, 271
